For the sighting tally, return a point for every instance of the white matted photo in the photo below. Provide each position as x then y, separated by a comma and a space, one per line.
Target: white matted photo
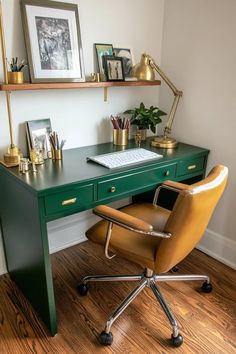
114, 68
128, 59
53, 42
38, 132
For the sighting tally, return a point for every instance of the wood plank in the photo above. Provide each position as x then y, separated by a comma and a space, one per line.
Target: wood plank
75, 85
207, 321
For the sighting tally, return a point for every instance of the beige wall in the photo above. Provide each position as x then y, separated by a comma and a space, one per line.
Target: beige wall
199, 55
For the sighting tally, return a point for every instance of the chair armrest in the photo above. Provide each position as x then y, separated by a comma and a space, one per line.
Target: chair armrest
172, 186
175, 186
118, 217
127, 221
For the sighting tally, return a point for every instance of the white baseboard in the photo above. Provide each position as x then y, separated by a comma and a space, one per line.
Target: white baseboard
219, 247
69, 231
3, 270
3, 267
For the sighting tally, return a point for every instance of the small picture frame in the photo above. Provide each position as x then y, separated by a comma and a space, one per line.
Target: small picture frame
37, 132
128, 59
113, 68
101, 50
53, 41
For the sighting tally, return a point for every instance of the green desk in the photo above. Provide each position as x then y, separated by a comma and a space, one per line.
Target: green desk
60, 188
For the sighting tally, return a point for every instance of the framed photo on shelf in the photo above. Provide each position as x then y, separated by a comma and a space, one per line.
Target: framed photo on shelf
102, 50
37, 132
113, 68
128, 59
53, 41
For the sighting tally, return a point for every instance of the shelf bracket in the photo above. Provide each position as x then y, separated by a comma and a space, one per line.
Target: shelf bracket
105, 94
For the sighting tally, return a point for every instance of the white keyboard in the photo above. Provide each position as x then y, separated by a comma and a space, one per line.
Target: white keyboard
125, 158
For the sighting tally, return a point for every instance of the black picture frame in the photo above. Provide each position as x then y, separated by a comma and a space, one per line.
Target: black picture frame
114, 68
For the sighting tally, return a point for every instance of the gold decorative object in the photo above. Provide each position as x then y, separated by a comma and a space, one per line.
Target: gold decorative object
93, 77
15, 77
138, 138
98, 77
36, 156
145, 70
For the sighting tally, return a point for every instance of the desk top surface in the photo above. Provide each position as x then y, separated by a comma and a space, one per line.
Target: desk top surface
74, 167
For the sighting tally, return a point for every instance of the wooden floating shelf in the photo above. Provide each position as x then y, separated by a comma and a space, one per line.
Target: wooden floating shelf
75, 85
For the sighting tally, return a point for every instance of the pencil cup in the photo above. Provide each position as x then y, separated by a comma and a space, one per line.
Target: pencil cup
120, 136
57, 154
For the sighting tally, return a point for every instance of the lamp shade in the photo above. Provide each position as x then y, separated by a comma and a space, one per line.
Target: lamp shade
143, 70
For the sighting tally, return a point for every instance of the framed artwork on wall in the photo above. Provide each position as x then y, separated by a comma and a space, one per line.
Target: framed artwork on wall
53, 41
102, 50
128, 59
113, 68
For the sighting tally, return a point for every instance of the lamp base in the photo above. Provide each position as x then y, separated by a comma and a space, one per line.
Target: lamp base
164, 142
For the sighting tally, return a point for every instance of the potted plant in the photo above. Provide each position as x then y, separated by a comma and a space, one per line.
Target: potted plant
145, 118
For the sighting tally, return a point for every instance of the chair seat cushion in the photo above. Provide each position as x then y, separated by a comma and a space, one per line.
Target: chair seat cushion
136, 247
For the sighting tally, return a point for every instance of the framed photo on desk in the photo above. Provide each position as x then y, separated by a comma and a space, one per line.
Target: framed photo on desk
37, 132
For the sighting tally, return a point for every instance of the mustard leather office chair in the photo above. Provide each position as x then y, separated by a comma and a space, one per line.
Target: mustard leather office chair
157, 239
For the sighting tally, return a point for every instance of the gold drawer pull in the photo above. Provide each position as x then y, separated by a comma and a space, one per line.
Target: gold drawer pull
167, 173
69, 201
191, 167
113, 189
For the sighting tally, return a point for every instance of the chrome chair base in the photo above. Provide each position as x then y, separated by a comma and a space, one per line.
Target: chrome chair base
147, 279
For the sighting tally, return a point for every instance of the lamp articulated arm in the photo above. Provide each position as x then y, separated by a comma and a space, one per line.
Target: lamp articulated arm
177, 93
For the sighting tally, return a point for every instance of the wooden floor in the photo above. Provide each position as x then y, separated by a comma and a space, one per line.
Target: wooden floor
207, 321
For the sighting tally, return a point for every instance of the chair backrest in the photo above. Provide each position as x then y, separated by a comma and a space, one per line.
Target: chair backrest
189, 218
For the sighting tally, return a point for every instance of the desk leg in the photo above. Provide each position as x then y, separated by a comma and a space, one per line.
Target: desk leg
26, 247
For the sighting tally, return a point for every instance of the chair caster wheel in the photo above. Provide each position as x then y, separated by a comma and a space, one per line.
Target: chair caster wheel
177, 341
206, 287
175, 269
106, 338
82, 289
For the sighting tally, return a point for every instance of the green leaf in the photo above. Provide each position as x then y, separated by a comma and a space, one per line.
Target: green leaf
161, 113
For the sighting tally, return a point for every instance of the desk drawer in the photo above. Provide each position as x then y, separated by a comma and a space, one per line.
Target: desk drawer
135, 181
190, 166
76, 198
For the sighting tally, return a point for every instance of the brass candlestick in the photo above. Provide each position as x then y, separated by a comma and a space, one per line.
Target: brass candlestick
12, 156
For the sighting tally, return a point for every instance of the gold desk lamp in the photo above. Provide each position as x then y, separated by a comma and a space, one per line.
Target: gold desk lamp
12, 156
145, 70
